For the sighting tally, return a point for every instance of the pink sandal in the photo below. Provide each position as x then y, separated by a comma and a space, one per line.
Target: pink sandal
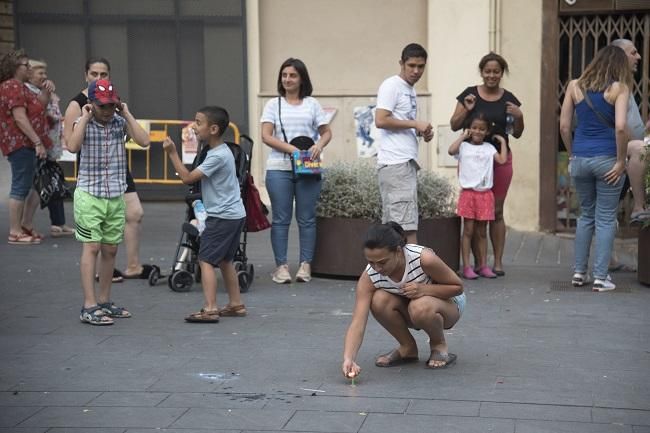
33, 233
21, 239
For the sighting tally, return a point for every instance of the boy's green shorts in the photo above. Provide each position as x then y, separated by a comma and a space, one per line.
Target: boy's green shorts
99, 219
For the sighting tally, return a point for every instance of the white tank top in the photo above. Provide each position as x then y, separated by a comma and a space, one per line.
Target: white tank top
412, 273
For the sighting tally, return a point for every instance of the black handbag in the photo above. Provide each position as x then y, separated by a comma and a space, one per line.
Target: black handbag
49, 182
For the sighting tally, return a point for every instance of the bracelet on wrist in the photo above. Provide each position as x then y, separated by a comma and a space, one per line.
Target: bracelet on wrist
38, 144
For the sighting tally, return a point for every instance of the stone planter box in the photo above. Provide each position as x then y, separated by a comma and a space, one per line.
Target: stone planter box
643, 265
339, 244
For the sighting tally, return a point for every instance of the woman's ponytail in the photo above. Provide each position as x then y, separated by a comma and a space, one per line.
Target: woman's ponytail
390, 235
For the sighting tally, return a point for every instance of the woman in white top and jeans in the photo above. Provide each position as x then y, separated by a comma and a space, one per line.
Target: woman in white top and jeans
292, 114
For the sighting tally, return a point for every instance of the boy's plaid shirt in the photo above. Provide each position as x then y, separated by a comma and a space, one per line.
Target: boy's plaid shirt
102, 165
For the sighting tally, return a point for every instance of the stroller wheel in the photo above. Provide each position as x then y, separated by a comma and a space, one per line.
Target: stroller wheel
250, 269
154, 275
244, 282
181, 281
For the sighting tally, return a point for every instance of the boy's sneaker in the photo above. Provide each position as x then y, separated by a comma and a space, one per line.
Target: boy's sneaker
281, 275
603, 285
304, 273
580, 279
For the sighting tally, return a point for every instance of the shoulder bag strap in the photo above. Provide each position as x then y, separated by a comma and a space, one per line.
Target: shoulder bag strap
284, 134
607, 122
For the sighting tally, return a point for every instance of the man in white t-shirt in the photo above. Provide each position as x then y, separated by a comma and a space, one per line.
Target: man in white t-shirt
399, 130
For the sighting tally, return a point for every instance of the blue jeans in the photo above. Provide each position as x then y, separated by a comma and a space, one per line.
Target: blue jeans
23, 167
282, 192
598, 206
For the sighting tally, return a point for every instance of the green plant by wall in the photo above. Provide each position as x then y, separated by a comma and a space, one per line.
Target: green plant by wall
350, 190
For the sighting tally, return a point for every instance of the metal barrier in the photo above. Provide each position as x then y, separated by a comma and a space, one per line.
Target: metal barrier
158, 131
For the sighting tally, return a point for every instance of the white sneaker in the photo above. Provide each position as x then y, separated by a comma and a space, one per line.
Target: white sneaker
282, 275
603, 285
580, 279
304, 273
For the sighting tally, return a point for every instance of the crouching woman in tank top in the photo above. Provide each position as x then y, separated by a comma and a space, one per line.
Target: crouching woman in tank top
404, 286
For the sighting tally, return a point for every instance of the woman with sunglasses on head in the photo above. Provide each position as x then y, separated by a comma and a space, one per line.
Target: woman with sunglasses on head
40, 84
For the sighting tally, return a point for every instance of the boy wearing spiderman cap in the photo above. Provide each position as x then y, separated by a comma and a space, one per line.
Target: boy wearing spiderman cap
98, 198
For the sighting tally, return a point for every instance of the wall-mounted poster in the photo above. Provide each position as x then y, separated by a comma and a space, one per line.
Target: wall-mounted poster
189, 145
330, 112
365, 131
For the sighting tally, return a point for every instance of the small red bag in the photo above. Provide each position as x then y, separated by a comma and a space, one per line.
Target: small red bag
256, 212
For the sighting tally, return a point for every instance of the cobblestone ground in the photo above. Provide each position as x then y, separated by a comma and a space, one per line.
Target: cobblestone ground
532, 355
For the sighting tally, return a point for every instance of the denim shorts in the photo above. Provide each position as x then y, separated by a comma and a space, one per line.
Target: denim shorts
460, 301
23, 166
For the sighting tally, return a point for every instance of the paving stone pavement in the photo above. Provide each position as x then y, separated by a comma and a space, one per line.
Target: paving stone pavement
531, 359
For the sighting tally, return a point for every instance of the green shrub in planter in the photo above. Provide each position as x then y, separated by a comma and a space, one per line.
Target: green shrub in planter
350, 202
350, 190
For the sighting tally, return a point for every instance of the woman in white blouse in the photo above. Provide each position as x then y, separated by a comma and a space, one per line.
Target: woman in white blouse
294, 113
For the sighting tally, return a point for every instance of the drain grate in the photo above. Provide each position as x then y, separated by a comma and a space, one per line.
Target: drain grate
566, 286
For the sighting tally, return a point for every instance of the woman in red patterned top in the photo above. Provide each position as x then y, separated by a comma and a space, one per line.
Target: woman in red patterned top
23, 138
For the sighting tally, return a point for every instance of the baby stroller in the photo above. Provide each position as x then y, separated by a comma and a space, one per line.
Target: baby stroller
186, 270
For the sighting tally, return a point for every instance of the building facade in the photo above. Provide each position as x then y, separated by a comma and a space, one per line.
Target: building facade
170, 57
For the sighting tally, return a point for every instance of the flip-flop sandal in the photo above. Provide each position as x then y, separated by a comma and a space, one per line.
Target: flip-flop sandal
61, 231
203, 316
33, 233
117, 276
447, 358
395, 359
21, 239
144, 275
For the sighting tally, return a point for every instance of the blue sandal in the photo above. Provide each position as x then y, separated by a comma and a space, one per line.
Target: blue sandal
112, 310
95, 316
